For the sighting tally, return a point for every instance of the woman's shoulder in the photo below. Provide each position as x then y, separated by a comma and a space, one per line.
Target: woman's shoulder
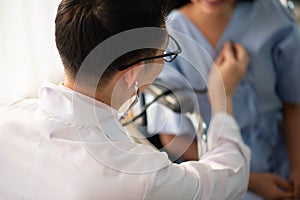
175, 16
177, 20
265, 19
271, 10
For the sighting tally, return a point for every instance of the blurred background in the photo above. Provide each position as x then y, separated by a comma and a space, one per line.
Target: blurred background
297, 10
28, 55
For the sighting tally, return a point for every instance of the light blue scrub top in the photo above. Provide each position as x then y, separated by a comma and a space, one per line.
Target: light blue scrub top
271, 37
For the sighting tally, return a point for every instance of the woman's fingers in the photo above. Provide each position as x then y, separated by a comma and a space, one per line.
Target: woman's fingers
241, 54
284, 184
242, 58
229, 52
284, 188
227, 72
219, 60
270, 186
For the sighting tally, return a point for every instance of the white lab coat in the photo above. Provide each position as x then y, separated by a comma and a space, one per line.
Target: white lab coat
66, 146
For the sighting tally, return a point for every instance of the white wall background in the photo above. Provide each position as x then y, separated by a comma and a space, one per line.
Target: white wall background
28, 55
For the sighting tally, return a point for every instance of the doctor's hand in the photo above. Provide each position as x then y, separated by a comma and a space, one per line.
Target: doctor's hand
270, 186
230, 67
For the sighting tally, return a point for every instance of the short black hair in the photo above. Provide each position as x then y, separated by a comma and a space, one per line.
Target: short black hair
83, 24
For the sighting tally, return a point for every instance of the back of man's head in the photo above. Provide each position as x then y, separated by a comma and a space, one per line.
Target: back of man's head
83, 24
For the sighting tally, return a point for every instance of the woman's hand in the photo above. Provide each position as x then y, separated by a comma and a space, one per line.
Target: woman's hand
291, 119
230, 67
270, 186
295, 182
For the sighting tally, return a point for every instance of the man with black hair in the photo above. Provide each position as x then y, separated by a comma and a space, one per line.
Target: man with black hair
69, 144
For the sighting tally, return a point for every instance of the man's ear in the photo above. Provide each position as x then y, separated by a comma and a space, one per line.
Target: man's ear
131, 75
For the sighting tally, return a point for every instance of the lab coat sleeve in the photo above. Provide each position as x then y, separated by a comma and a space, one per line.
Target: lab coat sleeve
163, 120
223, 173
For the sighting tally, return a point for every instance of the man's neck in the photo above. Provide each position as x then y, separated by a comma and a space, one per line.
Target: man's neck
110, 95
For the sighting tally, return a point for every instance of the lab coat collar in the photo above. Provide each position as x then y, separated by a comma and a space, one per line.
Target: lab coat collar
73, 107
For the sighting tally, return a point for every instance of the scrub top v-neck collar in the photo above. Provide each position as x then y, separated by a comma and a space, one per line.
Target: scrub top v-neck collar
213, 52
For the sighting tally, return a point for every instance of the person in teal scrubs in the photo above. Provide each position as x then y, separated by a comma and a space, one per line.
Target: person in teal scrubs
267, 101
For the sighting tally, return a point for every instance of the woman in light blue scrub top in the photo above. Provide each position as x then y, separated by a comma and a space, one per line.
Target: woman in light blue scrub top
268, 95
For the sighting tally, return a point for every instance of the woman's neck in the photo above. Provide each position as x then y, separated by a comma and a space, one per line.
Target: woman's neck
211, 24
